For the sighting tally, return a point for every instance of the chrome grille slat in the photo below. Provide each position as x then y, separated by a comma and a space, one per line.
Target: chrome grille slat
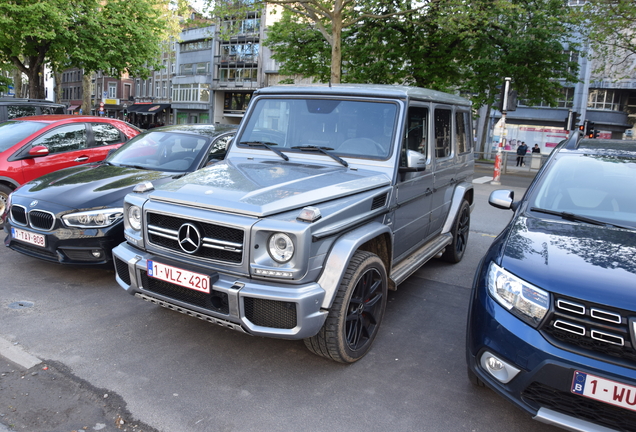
605, 316
571, 307
606, 337
569, 327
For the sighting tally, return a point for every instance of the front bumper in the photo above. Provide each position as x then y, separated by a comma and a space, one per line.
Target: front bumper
239, 303
65, 245
543, 384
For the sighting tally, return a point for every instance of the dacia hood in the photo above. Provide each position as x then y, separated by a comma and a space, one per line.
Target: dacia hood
590, 262
89, 186
262, 188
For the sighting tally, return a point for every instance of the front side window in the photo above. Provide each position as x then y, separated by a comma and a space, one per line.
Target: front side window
105, 134
348, 127
442, 133
64, 138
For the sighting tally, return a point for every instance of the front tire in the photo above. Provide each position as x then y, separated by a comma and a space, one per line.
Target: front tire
461, 227
357, 311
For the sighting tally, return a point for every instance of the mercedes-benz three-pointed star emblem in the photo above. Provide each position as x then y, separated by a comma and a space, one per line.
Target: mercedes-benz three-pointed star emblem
189, 238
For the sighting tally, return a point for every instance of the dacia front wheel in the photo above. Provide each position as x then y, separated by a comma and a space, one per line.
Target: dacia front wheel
357, 311
455, 251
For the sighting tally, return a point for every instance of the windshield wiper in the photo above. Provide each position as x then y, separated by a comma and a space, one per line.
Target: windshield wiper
578, 218
133, 166
267, 145
322, 150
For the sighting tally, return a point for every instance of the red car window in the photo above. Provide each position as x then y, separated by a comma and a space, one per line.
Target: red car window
105, 134
64, 138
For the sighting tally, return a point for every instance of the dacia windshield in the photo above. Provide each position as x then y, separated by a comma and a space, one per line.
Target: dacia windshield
346, 128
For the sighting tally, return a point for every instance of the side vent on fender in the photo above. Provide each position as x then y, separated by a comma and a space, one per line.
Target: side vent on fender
379, 201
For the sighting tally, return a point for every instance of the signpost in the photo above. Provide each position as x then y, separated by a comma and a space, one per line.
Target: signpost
496, 177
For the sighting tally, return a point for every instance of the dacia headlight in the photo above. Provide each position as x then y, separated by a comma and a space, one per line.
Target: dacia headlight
95, 218
281, 247
133, 217
522, 299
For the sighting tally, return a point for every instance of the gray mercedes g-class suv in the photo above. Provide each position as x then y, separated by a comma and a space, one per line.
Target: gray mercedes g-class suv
329, 196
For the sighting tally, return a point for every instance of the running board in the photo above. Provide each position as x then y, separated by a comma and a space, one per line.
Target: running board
417, 259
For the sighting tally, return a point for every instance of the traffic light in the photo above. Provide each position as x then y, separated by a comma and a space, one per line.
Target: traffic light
572, 120
589, 132
125, 112
596, 133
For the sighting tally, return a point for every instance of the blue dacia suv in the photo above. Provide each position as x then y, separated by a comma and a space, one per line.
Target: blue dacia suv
552, 319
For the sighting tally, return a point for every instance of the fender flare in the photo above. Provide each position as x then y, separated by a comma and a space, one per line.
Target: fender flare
341, 252
10, 181
460, 192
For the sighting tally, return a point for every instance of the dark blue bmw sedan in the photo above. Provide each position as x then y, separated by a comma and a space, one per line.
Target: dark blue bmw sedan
552, 319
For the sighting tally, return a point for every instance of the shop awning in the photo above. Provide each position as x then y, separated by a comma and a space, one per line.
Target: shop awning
72, 107
148, 109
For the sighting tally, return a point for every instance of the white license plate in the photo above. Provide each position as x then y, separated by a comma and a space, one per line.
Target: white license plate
604, 390
28, 237
175, 275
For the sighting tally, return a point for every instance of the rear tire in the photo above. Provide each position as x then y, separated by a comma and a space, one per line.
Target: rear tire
4, 197
357, 311
461, 227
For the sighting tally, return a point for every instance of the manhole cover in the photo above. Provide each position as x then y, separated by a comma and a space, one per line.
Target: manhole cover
21, 305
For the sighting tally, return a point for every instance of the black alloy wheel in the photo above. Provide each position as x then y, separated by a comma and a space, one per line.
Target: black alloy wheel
357, 311
461, 227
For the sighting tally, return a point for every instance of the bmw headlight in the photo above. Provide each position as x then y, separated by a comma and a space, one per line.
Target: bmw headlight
522, 299
94, 218
133, 216
281, 247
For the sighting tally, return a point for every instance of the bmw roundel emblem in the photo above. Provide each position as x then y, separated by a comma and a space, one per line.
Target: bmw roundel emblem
34, 203
189, 238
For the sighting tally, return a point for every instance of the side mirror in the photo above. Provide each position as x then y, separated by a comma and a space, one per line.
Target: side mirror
502, 199
415, 161
38, 151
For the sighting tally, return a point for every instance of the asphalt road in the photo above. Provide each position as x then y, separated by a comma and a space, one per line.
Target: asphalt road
175, 373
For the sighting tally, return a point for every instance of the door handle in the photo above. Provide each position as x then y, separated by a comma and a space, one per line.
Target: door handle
81, 159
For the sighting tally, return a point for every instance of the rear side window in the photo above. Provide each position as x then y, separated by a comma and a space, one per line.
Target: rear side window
15, 131
442, 133
105, 134
462, 133
63, 139
15, 111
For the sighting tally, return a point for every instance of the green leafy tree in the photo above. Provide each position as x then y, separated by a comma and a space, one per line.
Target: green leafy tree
329, 17
610, 31
115, 36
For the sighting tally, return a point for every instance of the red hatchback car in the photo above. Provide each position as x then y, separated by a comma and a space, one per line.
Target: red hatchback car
33, 146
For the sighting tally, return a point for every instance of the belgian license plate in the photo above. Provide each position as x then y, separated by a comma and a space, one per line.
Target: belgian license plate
28, 237
178, 276
604, 390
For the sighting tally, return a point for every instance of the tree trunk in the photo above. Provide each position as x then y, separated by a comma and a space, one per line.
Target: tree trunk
58, 86
336, 48
17, 83
86, 92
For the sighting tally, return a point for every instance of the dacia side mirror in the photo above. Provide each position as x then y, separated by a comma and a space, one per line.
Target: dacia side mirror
415, 162
38, 151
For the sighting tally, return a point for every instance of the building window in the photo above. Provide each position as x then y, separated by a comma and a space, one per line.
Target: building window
164, 93
195, 45
112, 90
191, 93
243, 27
244, 52
565, 99
603, 99
238, 74
236, 102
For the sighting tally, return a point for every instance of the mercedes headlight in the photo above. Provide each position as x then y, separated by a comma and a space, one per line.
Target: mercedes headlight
281, 247
94, 218
522, 299
133, 216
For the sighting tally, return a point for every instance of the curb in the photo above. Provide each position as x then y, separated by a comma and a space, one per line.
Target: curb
16, 354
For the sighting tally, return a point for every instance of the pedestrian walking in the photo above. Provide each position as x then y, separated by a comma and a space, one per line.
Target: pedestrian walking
521, 152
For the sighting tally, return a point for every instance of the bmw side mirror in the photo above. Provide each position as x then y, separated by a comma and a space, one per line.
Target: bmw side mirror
503, 199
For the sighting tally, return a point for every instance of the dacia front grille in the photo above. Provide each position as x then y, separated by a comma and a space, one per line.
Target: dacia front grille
216, 242
592, 330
